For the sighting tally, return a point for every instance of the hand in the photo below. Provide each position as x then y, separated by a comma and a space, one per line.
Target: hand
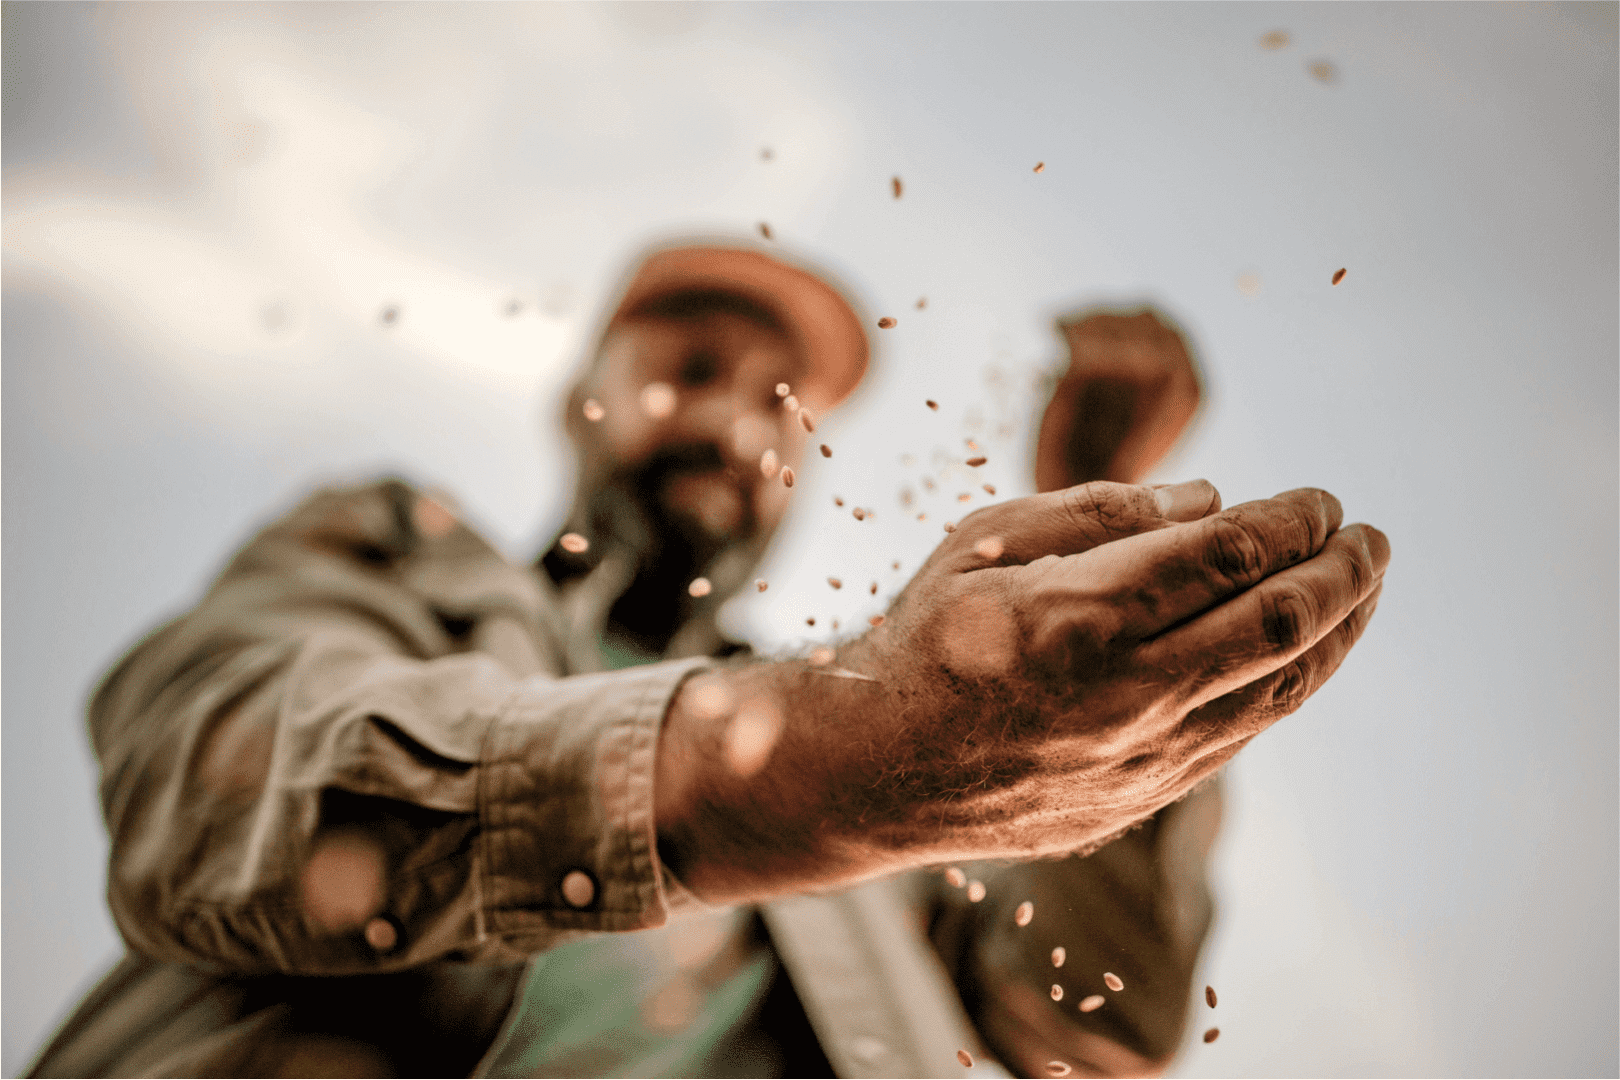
1063, 666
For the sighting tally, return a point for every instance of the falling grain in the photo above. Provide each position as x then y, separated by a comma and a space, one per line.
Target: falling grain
956, 878
885, 323
762, 584
964, 497
1209, 996
658, 400
700, 587
574, 543
826, 451
1276, 39
787, 476
593, 410
1338, 275
950, 526
975, 462
1040, 166
838, 500
1059, 955
768, 464
922, 302
764, 230
965, 1058
932, 404
790, 403
1057, 992
1025, 912
897, 564
860, 515
897, 186
1113, 982
809, 425
1057, 1068
874, 588
811, 621
1092, 1003
989, 489
1324, 72
1212, 1034
835, 583
975, 891
782, 389
876, 620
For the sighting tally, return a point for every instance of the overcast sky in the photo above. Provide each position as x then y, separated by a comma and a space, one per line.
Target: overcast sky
207, 206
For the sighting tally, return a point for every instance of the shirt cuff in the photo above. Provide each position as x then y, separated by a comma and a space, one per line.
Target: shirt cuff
565, 803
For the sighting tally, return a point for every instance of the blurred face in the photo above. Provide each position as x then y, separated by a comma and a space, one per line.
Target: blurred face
689, 410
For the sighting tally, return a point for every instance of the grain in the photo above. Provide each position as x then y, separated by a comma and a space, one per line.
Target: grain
975, 891
860, 515
574, 543
885, 323
1338, 275
975, 462
1324, 72
876, 620
922, 302
1040, 166
1092, 1003
874, 588
838, 500
782, 389
762, 584
1212, 1034
787, 476
950, 526
768, 464
809, 425
835, 583
1209, 996
897, 186
1057, 992
965, 1058
790, 403
764, 230
811, 621
1057, 1068
593, 410
1025, 912
1275, 39
897, 564
932, 404
956, 878
658, 400
1113, 982
989, 489
700, 587
1059, 955
964, 497
826, 451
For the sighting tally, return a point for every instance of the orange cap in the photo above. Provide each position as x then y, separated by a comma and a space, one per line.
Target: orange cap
815, 313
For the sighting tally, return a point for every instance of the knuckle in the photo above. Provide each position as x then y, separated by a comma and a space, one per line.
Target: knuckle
1235, 553
1288, 618
1358, 568
1290, 686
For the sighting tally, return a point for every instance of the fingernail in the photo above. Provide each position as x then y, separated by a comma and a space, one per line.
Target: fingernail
1187, 501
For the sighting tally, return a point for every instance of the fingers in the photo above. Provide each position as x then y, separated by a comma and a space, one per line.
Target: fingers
1077, 519
1263, 630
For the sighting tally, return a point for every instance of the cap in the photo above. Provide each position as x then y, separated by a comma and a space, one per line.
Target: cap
815, 312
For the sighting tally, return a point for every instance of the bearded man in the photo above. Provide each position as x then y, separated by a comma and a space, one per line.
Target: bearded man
385, 804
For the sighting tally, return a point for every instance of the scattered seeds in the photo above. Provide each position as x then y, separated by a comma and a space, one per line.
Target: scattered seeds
950, 526
1040, 166
658, 400
923, 516
1338, 275
838, 501
874, 588
922, 302
975, 462
573, 542
821, 656
1212, 1034
835, 583
989, 489
965, 1058
826, 451
975, 891
1276, 39
1113, 982
804, 418
956, 878
1209, 996
700, 587
897, 187
1025, 912
885, 323
768, 463
1059, 955
1092, 1003
782, 389
964, 497
811, 621
787, 476
593, 410
1324, 72
762, 584
876, 620
764, 230
1057, 992
1057, 1068
932, 405
860, 515
971, 445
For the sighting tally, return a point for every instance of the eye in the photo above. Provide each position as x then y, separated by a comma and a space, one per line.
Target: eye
700, 369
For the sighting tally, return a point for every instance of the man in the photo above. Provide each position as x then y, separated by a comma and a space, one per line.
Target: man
377, 807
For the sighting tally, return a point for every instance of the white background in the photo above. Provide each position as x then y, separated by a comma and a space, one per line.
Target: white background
206, 207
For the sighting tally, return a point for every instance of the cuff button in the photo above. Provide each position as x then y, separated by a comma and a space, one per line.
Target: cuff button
579, 889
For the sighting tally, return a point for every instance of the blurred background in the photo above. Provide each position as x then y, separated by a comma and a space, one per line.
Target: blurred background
208, 210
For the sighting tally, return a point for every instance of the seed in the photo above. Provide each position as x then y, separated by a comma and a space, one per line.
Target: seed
1057, 992
964, 497
956, 878
1040, 166
1059, 955
1092, 1003
896, 183
990, 548
762, 585
1057, 1068
1276, 39
821, 656
790, 403
975, 462
787, 476
835, 624
782, 389
837, 501
835, 583
1212, 1034
950, 526
885, 323
826, 451
811, 621
700, 587
593, 410
1324, 72
1209, 996
975, 891
768, 464
574, 542
1025, 912
804, 418
764, 230
897, 564
860, 515
989, 489
1338, 275
965, 1058
1113, 982
658, 400
876, 620
922, 517
971, 445
928, 482
922, 302
932, 405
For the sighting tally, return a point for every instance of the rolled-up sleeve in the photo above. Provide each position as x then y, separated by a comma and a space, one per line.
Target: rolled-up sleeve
356, 754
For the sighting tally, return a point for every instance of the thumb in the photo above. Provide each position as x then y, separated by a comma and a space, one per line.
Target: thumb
1077, 519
